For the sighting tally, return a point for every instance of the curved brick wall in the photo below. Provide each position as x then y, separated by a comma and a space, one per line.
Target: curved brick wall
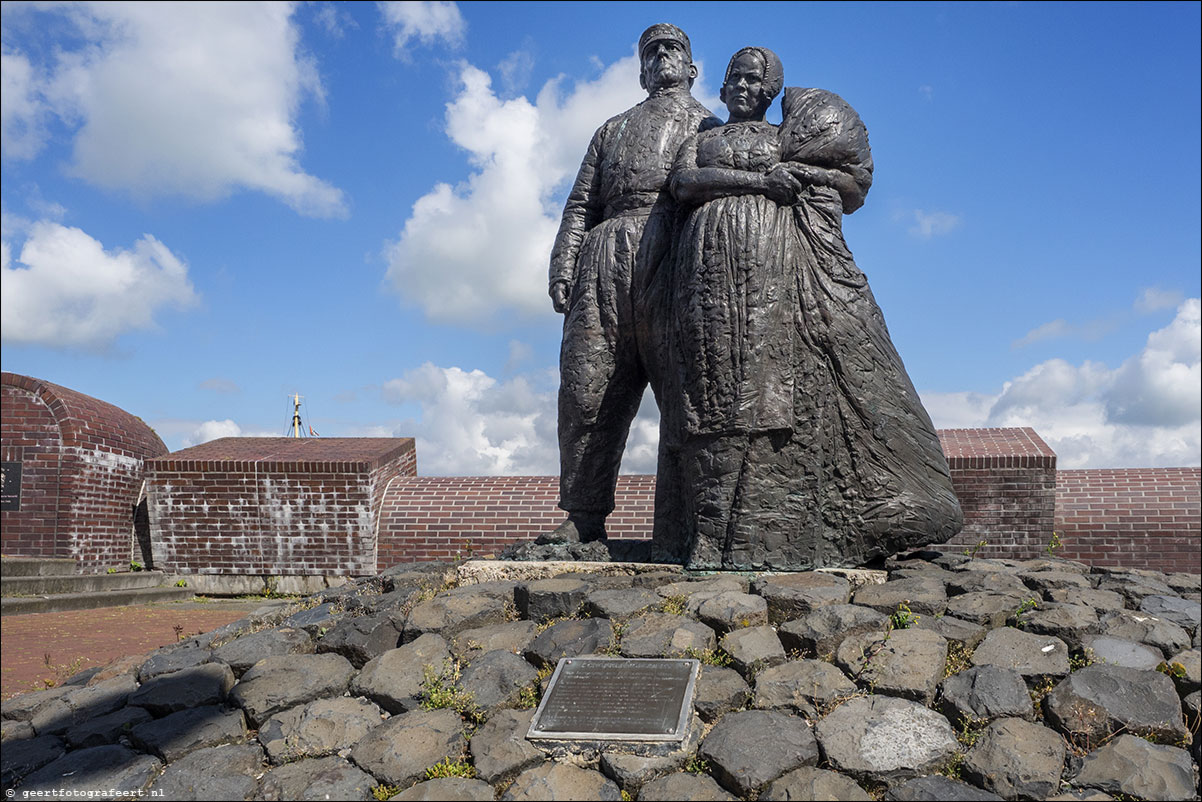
81, 473
1141, 517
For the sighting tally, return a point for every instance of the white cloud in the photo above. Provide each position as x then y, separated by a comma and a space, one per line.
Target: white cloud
65, 289
1047, 331
22, 110
189, 100
519, 353
958, 410
642, 444
215, 429
334, 20
472, 423
475, 252
1162, 385
425, 21
1088, 331
515, 70
1153, 299
933, 224
1144, 413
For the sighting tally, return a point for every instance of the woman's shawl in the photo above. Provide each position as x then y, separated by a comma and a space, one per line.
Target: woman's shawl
820, 128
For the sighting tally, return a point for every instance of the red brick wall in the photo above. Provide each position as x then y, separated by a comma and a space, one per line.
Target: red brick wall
1141, 517
82, 471
1005, 478
442, 517
274, 506
1006, 482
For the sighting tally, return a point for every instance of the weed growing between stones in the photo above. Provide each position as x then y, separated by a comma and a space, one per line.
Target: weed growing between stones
511, 611
614, 649
1076, 662
625, 796
529, 697
675, 605
971, 553
385, 792
1019, 617
1053, 544
959, 657
1042, 688
709, 657
970, 731
903, 617
440, 690
58, 673
697, 765
1172, 670
825, 710
445, 768
954, 767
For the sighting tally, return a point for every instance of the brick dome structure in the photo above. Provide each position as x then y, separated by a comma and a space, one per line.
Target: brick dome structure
73, 475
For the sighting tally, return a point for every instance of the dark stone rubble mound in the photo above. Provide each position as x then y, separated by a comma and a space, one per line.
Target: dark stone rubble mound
939, 677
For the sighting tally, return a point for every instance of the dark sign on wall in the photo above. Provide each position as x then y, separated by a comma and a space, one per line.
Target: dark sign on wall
10, 485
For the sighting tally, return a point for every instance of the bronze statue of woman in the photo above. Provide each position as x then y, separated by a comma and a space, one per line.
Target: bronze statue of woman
791, 436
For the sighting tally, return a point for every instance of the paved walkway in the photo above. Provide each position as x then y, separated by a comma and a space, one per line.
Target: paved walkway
48, 647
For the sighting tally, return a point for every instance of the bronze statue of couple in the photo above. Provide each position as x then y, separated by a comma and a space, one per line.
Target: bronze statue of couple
707, 259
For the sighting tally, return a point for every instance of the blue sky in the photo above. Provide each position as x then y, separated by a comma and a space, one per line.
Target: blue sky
208, 208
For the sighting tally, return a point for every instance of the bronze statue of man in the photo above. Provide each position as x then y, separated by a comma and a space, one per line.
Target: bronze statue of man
616, 225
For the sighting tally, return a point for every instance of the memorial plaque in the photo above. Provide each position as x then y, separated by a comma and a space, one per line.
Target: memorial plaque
10, 486
615, 699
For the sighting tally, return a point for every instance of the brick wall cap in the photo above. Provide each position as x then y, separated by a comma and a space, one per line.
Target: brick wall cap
288, 453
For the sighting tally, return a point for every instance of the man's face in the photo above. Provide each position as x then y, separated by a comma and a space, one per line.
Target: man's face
664, 65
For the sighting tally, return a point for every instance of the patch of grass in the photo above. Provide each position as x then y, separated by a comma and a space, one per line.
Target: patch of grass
1076, 662
675, 605
59, 673
445, 768
697, 765
709, 657
959, 657
954, 767
441, 690
1042, 689
614, 649
970, 731
529, 697
830, 707
385, 792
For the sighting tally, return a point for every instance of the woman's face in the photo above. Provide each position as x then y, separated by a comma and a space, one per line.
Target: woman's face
743, 91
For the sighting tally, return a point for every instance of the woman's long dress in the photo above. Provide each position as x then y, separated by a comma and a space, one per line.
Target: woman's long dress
791, 437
